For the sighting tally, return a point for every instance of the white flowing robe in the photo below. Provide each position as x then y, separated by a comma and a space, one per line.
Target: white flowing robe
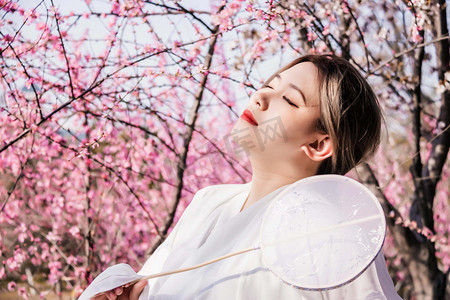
212, 226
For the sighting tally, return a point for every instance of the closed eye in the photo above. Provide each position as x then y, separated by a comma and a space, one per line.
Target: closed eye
289, 101
284, 97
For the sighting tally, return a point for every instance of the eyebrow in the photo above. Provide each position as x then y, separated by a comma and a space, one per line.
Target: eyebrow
294, 87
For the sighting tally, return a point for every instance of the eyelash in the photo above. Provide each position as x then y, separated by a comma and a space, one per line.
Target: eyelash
284, 97
289, 101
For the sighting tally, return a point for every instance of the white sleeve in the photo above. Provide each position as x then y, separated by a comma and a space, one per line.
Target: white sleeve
156, 261
384, 278
373, 284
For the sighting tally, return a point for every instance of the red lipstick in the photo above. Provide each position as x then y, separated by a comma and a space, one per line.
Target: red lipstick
248, 116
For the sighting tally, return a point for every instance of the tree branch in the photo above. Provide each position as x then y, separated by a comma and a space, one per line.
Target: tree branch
187, 139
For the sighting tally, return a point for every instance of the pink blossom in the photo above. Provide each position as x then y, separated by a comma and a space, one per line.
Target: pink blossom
12, 286
22, 293
400, 276
12, 264
74, 230
7, 38
311, 36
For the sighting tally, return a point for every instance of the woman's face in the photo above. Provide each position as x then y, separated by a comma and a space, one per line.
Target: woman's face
285, 111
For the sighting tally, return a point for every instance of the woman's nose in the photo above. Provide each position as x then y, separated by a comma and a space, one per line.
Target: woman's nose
261, 100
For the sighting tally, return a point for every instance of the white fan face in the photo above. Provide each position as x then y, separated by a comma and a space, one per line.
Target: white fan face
331, 228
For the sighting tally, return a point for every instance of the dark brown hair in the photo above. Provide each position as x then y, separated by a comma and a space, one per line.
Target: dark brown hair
349, 112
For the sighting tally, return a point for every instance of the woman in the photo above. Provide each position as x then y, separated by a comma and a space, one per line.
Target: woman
329, 120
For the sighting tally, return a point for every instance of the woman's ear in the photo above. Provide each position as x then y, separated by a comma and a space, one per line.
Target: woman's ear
320, 149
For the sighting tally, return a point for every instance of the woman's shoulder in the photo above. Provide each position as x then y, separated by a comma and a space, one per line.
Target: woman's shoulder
228, 188
213, 196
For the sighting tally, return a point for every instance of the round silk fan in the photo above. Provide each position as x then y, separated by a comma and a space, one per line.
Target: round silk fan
322, 232
319, 233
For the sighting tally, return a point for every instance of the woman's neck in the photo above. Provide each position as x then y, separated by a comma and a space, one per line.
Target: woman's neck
265, 182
